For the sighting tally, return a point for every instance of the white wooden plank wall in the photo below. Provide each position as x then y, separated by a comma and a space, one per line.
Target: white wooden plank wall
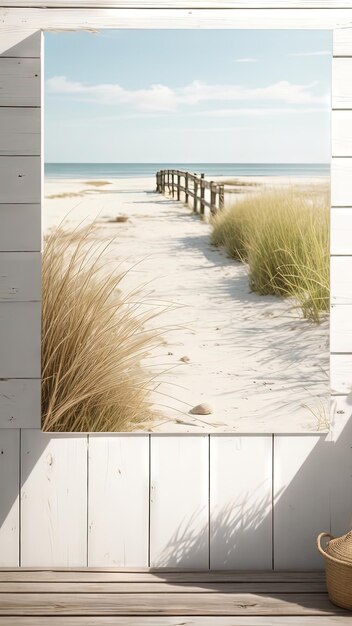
340, 454
243, 502
301, 505
179, 501
247, 15
341, 215
9, 497
118, 501
53, 499
199, 502
20, 236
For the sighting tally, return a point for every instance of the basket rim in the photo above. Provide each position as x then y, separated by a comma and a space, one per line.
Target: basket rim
328, 556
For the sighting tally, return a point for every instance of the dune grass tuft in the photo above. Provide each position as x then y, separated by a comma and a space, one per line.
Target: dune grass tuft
283, 236
93, 340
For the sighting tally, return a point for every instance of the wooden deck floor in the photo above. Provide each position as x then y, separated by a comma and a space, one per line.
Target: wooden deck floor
145, 598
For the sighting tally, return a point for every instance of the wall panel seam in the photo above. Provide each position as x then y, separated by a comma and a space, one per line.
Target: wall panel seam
209, 501
149, 496
87, 502
272, 502
20, 499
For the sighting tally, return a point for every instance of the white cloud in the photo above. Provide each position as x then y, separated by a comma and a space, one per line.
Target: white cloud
161, 98
316, 53
155, 98
282, 91
246, 60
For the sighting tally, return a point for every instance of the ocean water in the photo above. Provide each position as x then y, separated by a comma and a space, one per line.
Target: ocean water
142, 170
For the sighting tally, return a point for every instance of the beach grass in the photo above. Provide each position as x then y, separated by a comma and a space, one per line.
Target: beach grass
93, 340
283, 237
237, 182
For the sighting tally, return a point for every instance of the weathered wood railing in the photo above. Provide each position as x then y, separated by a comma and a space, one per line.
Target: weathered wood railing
193, 186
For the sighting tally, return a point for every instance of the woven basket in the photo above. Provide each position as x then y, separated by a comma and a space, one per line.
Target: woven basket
338, 567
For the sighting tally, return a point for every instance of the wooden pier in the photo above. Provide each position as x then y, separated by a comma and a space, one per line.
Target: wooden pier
203, 193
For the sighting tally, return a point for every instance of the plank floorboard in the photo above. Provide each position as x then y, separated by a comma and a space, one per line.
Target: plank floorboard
78, 597
164, 587
165, 604
130, 575
330, 620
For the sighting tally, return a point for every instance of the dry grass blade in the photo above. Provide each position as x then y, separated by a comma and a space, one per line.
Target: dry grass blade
93, 340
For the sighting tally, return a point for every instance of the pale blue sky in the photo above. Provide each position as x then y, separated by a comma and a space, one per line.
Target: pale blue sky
188, 96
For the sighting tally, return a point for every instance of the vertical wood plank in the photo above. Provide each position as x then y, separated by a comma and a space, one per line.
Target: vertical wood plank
301, 500
53, 499
9, 497
240, 502
179, 513
340, 465
118, 500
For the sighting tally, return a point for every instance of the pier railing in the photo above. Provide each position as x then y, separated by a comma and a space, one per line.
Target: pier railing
203, 193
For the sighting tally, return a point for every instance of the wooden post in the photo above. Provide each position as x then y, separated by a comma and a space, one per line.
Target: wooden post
195, 191
221, 197
172, 184
186, 187
212, 198
178, 184
202, 190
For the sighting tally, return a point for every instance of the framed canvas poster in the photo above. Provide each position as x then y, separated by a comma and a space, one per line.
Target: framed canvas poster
186, 231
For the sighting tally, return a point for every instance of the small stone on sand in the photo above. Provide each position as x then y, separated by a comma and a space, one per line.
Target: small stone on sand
201, 409
185, 359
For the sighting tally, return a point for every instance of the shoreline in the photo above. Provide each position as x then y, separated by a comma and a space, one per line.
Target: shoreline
274, 352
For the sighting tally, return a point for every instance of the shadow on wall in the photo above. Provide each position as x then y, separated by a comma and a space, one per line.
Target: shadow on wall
231, 531
40, 499
279, 529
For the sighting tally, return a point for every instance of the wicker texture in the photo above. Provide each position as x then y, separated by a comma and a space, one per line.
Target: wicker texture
338, 567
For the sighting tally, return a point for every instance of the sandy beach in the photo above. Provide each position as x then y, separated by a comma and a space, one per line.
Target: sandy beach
260, 366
